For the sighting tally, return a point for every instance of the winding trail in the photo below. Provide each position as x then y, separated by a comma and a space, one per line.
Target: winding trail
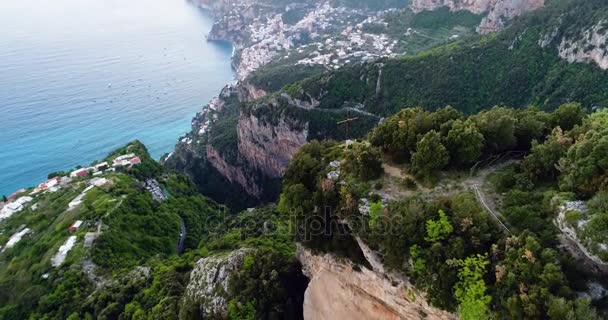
482, 200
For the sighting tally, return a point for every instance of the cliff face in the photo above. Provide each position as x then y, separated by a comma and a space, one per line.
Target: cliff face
498, 11
209, 282
338, 291
590, 47
234, 174
269, 147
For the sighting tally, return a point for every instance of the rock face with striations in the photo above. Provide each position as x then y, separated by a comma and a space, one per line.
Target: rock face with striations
589, 47
337, 291
497, 11
209, 282
234, 174
269, 147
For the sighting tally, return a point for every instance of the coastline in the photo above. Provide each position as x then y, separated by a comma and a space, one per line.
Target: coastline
153, 97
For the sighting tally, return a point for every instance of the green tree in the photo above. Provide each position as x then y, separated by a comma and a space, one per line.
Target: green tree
438, 229
465, 143
542, 162
585, 167
364, 161
374, 213
430, 155
568, 115
399, 134
418, 262
580, 309
532, 124
470, 290
528, 276
498, 128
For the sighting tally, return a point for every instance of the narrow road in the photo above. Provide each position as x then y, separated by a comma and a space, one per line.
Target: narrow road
481, 199
182, 236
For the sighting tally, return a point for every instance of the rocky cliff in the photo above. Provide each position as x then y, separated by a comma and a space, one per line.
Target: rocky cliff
340, 290
269, 147
233, 173
589, 46
209, 280
497, 11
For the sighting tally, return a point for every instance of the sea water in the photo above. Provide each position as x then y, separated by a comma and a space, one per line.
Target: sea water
79, 78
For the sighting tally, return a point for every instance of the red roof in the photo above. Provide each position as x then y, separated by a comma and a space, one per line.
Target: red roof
14, 194
135, 160
82, 172
44, 184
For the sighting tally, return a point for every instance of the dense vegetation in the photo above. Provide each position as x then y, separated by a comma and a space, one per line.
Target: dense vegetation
133, 270
508, 68
446, 242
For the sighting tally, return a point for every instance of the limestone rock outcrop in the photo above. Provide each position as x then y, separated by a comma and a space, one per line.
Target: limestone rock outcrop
590, 47
232, 173
209, 282
269, 147
339, 290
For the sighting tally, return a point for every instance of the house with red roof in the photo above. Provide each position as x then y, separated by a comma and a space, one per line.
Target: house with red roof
75, 226
49, 183
135, 161
80, 173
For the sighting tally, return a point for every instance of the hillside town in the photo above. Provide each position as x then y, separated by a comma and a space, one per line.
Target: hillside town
327, 36
90, 177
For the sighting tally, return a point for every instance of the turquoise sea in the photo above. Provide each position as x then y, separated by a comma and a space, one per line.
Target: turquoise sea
79, 78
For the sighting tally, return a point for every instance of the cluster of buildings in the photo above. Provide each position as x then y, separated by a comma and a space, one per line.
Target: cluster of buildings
14, 203
350, 45
52, 185
335, 36
268, 40
127, 160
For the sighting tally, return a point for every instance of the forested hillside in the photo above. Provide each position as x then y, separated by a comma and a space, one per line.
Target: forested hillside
530, 63
517, 67
419, 195
135, 254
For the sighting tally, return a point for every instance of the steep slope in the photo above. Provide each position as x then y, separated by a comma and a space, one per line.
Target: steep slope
124, 239
429, 236
497, 12
337, 290
533, 62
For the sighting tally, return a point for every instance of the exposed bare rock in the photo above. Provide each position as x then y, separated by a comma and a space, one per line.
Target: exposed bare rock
232, 173
591, 47
571, 241
474, 6
248, 92
337, 291
503, 10
498, 11
209, 281
269, 147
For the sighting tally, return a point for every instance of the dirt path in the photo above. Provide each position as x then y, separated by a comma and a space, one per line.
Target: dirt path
481, 198
473, 183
